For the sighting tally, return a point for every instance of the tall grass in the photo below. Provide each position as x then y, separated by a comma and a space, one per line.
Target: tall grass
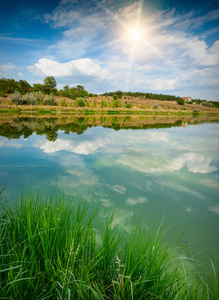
50, 250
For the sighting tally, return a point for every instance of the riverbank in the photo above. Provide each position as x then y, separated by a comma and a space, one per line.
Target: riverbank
50, 249
137, 106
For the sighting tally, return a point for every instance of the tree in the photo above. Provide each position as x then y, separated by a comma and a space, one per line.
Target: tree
80, 88
119, 94
38, 87
24, 87
50, 84
66, 87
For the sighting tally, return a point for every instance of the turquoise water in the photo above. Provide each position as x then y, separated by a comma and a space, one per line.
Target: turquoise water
155, 175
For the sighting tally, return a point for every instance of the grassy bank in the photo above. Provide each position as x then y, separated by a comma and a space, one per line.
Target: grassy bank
56, 111
50, 250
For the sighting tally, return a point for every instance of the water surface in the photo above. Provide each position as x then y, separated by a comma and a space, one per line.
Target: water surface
148, 168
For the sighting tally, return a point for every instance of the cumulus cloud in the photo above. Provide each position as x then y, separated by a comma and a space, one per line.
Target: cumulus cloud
134, 201
84, 147
169, 57
195, 163
84, 66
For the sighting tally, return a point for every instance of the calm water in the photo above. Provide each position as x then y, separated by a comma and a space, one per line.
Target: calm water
156, 174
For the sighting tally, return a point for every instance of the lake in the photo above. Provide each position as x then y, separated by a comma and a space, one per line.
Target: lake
148, 168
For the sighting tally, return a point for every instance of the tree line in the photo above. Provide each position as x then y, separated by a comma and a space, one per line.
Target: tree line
22, 87
9, 86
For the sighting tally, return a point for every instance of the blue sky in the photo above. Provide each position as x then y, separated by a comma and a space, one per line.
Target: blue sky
159, 46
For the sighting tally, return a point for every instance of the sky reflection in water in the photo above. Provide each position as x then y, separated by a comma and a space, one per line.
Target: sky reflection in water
156, 174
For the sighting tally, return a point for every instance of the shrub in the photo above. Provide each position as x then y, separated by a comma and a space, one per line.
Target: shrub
207, 104
2, 94
196, 110
81, 102
16, 98
104, 103
181, 101
116, 103
39, 97
30, 99
156, 106
128, 105
63, 102
49, 100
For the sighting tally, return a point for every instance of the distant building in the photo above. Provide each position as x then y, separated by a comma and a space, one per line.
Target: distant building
187, 99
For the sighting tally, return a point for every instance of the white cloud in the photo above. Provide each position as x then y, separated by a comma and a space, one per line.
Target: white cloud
20, 74
169, 57
119, 189
84, 66
7, 68
181, 188
210, 183
188, 209
62, 17
9, 143
85, 147
195, 163
214, 209
134, 201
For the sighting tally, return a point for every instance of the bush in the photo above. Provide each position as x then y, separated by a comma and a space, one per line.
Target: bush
81, 102
63, 102
181, 101
2, 94
196, 110
128, 105
49, 100
30, 99
104, 103
116, 103
207, 104
39, 96
156, 106
16, 98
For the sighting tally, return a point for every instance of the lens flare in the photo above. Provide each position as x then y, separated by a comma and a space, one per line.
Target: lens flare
135, 34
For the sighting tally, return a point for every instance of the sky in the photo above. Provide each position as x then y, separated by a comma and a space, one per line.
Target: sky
164, 46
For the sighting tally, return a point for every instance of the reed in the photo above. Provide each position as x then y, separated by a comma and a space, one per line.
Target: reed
50, 250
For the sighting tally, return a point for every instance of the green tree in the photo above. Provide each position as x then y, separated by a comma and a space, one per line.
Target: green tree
66, 87
50, 84
24, 87
38, 87
119, 94
80, 87
83, 93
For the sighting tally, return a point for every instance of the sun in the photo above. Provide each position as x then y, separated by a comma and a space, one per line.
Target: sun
135, 34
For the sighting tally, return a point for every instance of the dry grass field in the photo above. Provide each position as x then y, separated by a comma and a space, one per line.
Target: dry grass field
95, 104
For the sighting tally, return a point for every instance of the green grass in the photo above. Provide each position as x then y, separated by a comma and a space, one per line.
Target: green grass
50, 250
